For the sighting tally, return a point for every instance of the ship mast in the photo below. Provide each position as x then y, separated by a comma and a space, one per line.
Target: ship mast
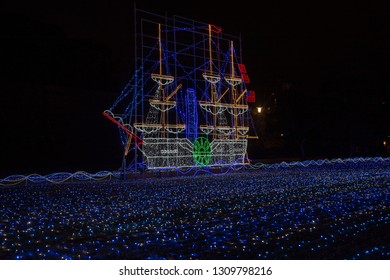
211, 106
160, 88
213, 85
237, 107
234, 92
162, 101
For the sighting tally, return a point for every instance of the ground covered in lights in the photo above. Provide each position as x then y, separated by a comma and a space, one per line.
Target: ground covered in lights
335, 211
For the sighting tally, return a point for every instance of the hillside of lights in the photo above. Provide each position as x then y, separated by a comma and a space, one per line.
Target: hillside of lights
325, 209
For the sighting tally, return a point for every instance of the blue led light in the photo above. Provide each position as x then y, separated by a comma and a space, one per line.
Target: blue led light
334, 210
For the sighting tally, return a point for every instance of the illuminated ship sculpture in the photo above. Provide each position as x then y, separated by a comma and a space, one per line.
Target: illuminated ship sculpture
187, 103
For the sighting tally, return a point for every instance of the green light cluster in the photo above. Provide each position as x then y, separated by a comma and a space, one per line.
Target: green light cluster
202, 151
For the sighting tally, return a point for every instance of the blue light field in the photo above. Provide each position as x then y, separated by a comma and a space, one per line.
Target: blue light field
330, 211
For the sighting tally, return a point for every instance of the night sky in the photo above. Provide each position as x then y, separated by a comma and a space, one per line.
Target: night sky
64, 62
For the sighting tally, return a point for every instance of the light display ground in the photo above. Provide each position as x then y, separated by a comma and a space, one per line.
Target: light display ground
331, 211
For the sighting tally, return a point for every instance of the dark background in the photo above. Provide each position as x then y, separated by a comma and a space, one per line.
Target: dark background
320, 70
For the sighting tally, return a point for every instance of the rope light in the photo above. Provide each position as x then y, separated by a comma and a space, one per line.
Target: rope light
80, 176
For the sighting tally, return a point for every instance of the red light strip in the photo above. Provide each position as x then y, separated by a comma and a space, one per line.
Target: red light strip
128, 131
215, 29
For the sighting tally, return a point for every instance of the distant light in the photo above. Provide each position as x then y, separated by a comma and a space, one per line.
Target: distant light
384, 143
259, 109
281, 134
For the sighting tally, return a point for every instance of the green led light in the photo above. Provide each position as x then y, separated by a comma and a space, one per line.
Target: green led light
202, 151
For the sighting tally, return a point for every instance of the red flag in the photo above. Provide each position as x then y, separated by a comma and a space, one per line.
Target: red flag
245, 78
242, 68
251, 96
